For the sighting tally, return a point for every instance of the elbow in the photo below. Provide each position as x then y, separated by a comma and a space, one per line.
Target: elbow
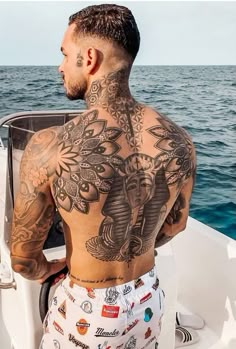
176, 229
182, 227
22, 267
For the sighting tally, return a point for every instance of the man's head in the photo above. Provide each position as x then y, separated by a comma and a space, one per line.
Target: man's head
99, 39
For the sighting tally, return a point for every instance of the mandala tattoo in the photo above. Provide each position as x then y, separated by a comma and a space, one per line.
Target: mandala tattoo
86, 162
176, 150
133, 210
110, 93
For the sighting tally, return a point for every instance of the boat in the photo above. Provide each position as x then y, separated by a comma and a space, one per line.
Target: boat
196, 268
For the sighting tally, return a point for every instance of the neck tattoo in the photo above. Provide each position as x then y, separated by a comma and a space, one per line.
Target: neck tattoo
112, 94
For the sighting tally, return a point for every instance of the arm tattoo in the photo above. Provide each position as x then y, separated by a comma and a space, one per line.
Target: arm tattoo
34, 208
174, 217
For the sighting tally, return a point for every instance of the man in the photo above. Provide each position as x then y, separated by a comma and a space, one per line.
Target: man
121, 176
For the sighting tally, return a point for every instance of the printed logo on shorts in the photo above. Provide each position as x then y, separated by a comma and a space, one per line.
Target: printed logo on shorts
111, 311
146, 298
148, 333
128, 328
54, 300
56, 344
90, 292
58, 327
104, 346
77, 343
149, 342
86, 306
148, 314
69, 295
151, 273
156, 284
127, 289
45, 322
129, 308
138, 283
111, 295
120, 346
62, 309
101, 333
131, 344
82, 326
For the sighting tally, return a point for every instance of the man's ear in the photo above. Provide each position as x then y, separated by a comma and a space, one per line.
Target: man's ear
91, 60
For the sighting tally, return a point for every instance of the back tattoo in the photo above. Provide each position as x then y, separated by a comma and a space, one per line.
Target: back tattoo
137, 186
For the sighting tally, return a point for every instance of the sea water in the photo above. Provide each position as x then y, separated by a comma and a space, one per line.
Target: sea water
202, 99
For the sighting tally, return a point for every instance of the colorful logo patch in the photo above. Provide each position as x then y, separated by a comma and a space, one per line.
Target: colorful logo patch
145, 298
156, 284
128, 328
58, 327
148, 314
148, 333
86, 306
91, 292
138, 283
111, 311
82, 326
62, 309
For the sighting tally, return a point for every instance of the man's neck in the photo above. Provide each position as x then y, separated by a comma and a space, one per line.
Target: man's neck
109, 89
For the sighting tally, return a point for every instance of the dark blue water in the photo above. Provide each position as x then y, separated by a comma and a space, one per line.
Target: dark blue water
202, 99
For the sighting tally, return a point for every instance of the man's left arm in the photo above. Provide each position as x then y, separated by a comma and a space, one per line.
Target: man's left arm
34, 209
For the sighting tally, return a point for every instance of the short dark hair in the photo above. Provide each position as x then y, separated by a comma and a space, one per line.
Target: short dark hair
110, 22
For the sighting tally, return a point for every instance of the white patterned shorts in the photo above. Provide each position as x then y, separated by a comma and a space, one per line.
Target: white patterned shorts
126, 316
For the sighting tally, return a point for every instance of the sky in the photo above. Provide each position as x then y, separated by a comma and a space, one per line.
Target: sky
172, 32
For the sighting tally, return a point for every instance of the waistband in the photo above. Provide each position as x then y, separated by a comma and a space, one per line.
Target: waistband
110, 294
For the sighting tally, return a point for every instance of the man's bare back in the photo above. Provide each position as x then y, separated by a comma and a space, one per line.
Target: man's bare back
121, 193
114, 188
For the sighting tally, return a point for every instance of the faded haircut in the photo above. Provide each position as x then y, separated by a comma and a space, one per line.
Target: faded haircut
109, 22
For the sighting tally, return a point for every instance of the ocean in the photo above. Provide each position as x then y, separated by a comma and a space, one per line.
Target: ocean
202, 99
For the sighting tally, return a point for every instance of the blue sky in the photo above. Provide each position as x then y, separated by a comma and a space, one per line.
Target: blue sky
172, 33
